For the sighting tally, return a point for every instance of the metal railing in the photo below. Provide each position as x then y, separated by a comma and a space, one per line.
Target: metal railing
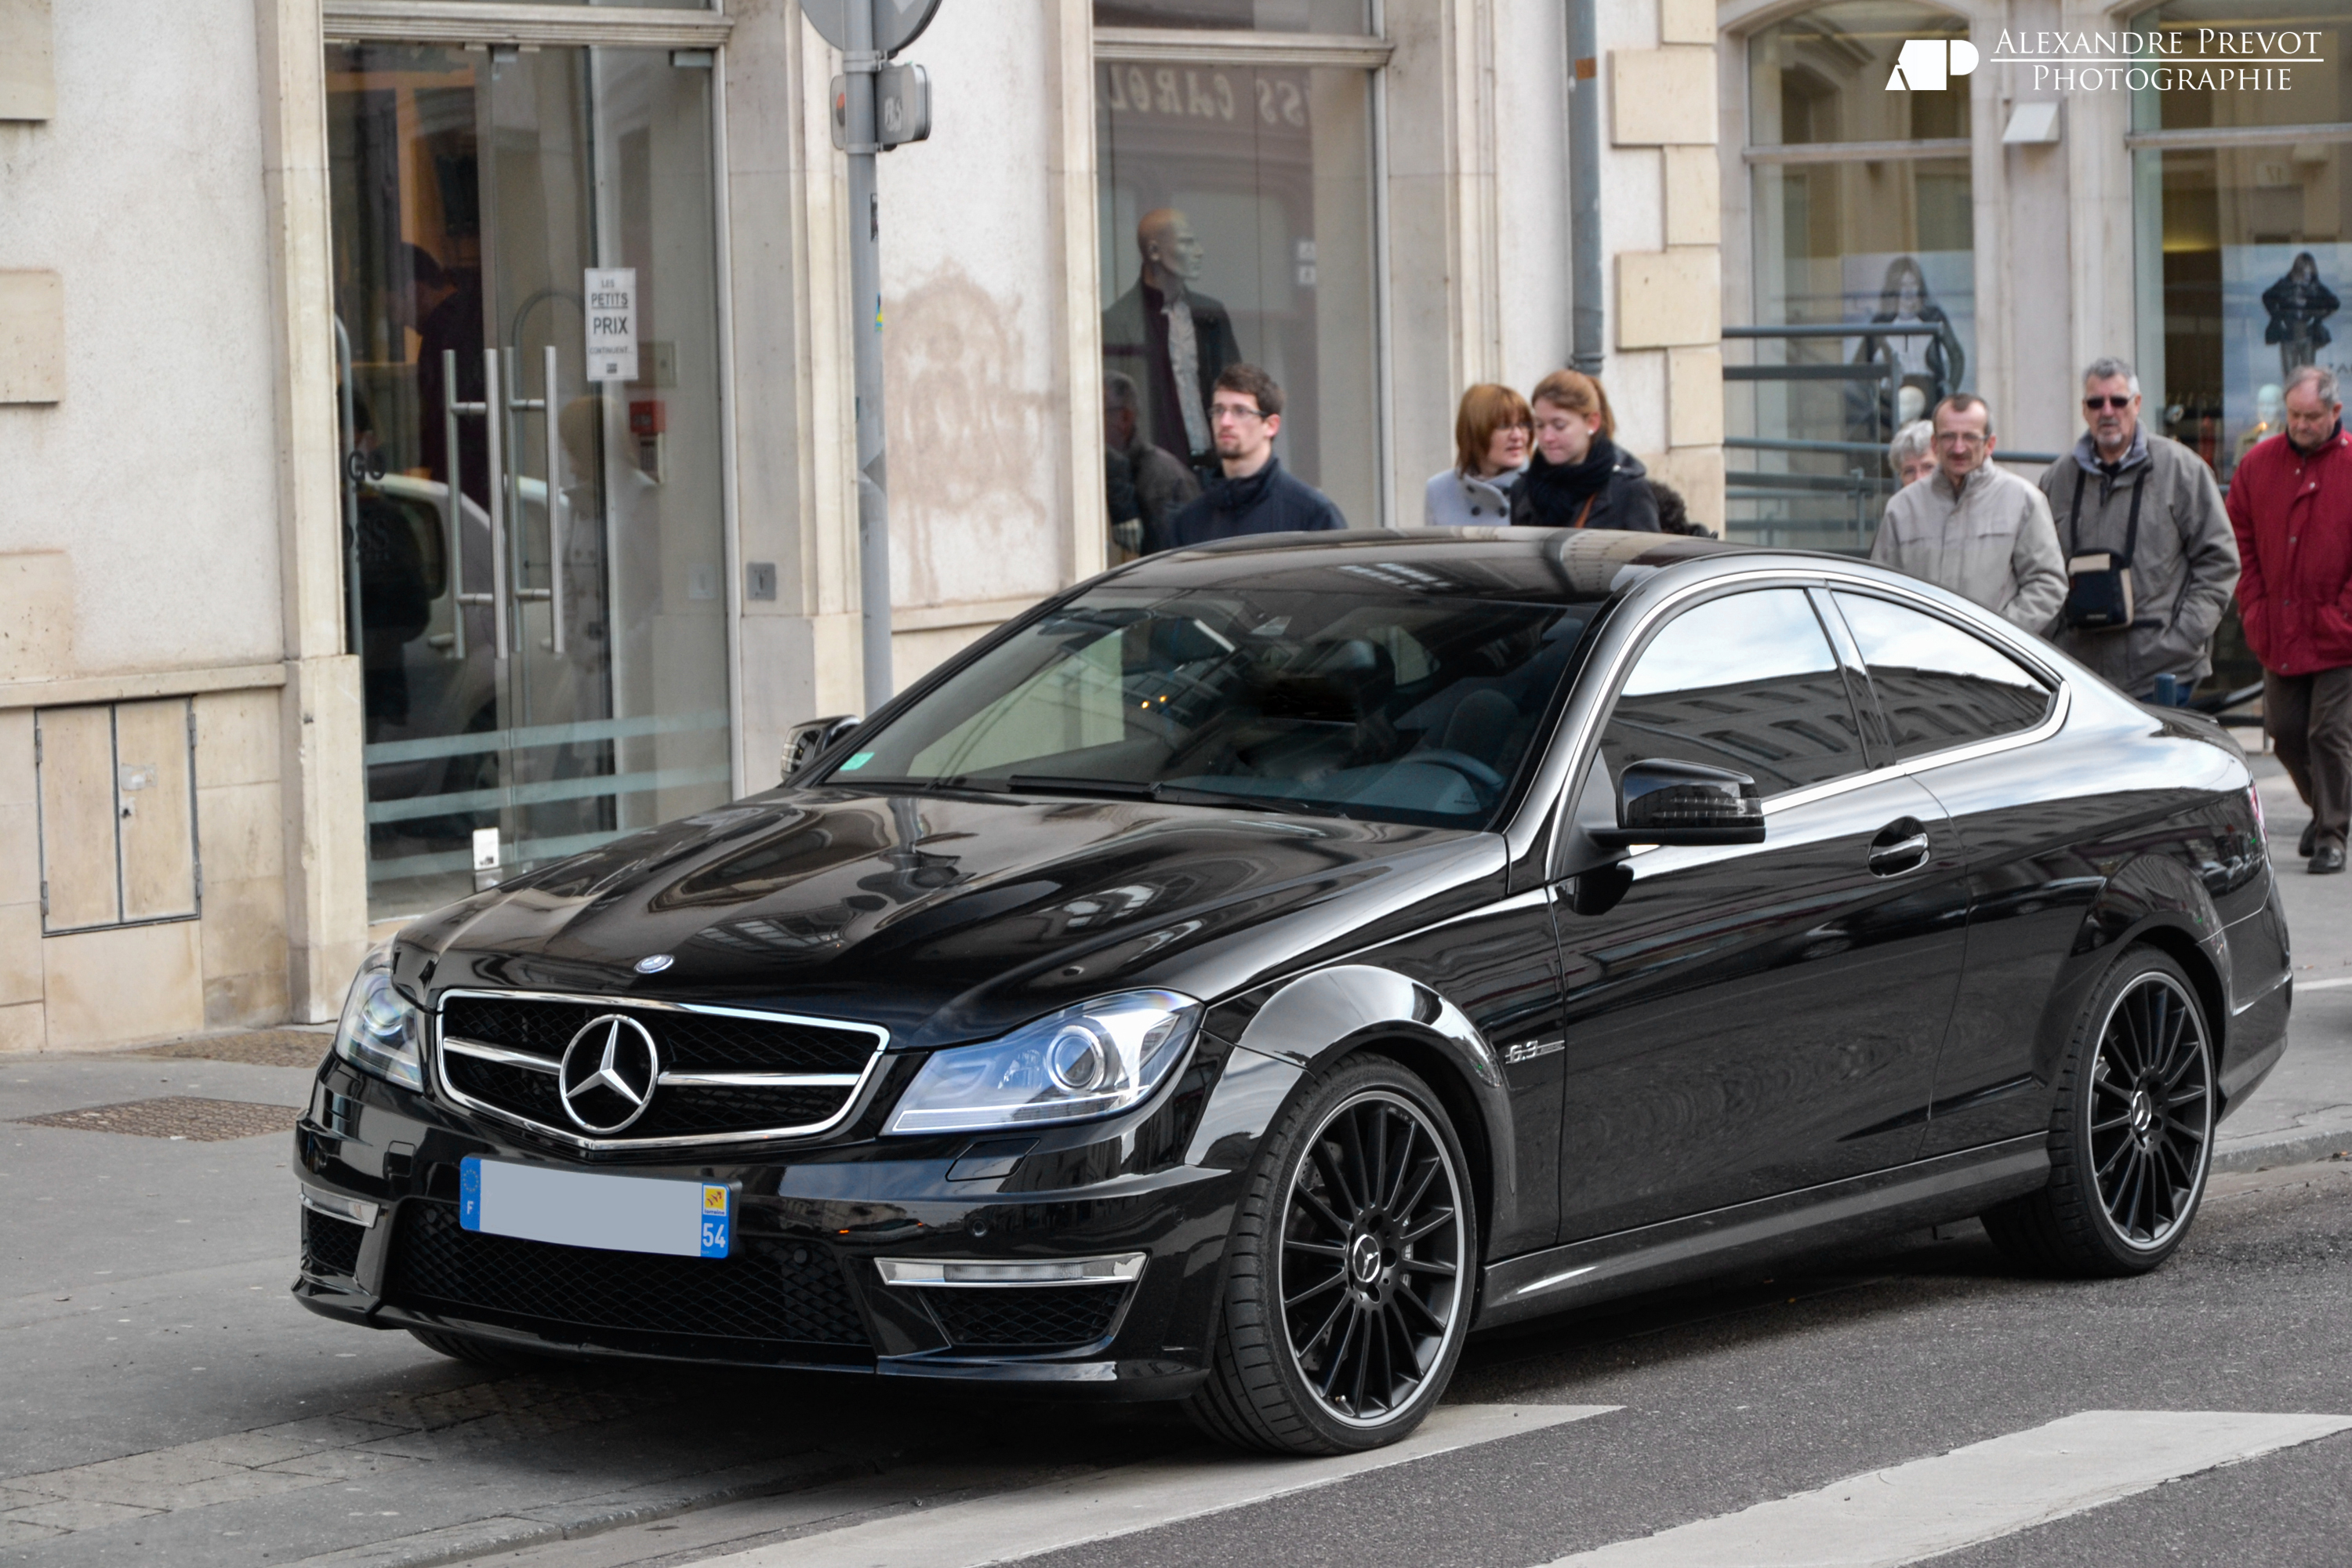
1865, 484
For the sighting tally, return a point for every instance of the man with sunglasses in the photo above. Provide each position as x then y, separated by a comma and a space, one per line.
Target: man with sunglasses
1254, 494
2291, 501
2150, 558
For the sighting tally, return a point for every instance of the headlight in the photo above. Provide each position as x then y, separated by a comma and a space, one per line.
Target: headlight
1089, 1060
382, 1031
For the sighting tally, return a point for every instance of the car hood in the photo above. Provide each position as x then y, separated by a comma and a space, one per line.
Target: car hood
947, 918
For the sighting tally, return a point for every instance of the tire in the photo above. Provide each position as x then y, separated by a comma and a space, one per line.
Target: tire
480, 1352
1379, 1286
2131, 1137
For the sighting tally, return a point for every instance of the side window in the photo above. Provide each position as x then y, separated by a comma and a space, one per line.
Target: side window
1747, 683
1939, 686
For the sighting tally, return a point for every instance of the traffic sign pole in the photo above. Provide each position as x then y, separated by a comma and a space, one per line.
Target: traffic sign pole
868, 33
861, 61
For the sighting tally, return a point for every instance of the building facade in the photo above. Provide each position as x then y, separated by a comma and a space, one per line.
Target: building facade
430, 421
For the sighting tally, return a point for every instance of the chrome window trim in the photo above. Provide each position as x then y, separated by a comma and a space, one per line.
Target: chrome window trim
1576, 741
861, 1082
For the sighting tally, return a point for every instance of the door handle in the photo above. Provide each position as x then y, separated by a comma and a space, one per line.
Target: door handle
544, 406
1901, 846
453, 501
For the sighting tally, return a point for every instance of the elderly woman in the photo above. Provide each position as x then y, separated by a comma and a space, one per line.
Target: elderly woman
1492, 431
1578, 478
1912, 453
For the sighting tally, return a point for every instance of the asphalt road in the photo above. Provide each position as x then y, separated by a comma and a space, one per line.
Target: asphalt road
161, 1400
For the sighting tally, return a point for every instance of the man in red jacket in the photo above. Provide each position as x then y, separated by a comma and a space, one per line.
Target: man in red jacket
2291, 505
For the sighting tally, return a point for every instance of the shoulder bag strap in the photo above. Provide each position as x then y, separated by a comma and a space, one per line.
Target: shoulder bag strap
2074, 517
1585, 511
2131, 531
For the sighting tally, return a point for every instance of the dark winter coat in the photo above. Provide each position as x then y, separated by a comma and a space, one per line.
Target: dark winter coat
1267, 501
1623, 500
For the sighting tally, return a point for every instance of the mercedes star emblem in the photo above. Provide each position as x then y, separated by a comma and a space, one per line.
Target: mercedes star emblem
609, 1067
655, 963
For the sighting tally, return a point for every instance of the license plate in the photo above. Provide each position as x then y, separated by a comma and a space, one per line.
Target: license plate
594, 1208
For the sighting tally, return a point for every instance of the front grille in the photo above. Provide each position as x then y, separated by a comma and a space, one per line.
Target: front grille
770, 1290
687, 1043
330, 1245
1028, 1318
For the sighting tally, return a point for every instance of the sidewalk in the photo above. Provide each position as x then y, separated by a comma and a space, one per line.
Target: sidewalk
2303, 1111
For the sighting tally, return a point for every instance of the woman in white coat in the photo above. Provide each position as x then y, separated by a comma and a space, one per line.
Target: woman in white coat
1491, 436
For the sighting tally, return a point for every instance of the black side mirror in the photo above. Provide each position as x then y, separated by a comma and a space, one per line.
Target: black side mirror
1661, 801
805, 741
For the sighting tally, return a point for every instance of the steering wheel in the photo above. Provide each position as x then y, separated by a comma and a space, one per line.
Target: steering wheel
1484, 781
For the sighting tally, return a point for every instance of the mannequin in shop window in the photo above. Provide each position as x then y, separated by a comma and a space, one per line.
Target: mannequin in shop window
1171, 339
2298, 305
1928, 354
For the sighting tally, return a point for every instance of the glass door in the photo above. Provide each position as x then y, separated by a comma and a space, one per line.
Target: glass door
526, 294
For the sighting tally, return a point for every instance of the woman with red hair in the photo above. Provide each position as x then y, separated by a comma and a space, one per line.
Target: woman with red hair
1491, 434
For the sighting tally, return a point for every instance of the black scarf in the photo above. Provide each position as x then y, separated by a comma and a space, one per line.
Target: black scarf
1558, 491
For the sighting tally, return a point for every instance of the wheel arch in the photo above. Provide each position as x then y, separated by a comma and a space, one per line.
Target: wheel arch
2154, 900
1320, 1018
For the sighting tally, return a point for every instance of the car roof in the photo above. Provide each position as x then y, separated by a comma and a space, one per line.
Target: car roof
1540, 564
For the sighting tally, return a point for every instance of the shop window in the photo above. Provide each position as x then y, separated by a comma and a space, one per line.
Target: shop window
2244, 256
1244, 191
1863, 215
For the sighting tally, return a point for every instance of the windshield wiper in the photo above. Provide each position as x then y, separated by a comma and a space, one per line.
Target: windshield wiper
1059, 783
1175, 794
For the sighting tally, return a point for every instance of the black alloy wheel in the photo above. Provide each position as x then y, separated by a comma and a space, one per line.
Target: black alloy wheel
2132, 1140
1349, 1290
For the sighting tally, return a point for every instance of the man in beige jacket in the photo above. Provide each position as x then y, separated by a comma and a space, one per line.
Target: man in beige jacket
1982, 533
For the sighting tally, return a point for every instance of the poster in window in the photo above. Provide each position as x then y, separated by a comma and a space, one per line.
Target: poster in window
2281, 306
1928, 300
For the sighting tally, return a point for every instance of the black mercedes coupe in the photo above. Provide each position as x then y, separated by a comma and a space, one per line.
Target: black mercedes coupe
1253, 970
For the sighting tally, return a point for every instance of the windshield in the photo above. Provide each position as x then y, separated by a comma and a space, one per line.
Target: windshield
1393, 708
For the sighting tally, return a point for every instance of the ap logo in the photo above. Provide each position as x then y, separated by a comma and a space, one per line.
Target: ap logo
1922, 66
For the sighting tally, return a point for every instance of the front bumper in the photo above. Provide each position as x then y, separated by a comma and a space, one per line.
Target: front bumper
804, 1287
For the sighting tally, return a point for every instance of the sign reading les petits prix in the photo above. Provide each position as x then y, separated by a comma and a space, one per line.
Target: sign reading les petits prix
612, 296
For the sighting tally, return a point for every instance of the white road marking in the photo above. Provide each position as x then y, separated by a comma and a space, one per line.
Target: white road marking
1987, 1490
2324, 985
1132, 1497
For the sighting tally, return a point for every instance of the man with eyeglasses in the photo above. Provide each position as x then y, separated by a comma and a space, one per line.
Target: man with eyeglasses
2150, 559
1980, 532
1253, 494
2291, 503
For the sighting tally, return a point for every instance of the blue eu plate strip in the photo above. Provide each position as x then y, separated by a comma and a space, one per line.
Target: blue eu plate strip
469, 1192
718, 1219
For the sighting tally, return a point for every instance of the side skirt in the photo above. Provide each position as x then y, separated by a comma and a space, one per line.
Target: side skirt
1950, 1187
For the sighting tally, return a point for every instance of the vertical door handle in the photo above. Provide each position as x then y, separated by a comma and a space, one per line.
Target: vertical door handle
1901, 846
452, 509
555, 501
454, 501
544, 406
494, 437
